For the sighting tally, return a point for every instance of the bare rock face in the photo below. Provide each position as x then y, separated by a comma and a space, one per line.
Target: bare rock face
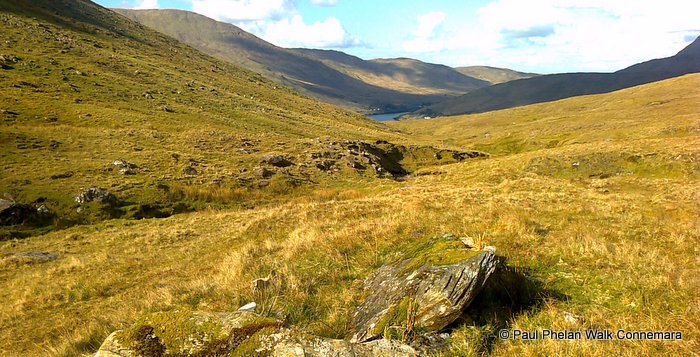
421, 293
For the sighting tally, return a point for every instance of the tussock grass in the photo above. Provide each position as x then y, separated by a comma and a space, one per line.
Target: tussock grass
614, 237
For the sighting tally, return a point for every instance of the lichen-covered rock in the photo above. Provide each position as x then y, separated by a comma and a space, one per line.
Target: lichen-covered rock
91, 194
427, 290
287, 343
276, 160
184, 332
112, 347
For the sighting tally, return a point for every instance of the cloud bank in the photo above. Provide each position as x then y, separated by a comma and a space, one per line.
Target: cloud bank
593, 35
279, 22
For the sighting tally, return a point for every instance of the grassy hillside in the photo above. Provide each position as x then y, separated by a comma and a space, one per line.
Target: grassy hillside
363, 86
82, 87
593, 198
559, 86
494, 75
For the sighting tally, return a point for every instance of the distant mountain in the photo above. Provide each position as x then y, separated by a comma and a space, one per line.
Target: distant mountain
335, 77
494, 75
403, 74
558, 86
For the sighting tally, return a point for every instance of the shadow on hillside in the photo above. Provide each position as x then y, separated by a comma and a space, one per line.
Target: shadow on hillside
508, 293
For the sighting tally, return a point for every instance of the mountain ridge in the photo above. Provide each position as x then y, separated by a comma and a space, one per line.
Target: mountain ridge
552, 87
332, 76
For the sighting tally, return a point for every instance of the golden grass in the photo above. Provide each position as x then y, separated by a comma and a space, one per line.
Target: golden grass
624, 259
596, 198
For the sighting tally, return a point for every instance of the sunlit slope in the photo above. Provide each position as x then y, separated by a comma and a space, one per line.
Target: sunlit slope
81, 87
601, 213
401, 74
494, 75
310, 71
565, 85
664, 109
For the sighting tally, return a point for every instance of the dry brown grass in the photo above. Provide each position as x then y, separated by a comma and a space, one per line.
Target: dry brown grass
617, 250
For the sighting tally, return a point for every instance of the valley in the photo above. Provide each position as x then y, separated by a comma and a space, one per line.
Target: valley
175, 182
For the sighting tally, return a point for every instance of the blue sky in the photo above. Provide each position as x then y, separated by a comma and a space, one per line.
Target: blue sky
544, 36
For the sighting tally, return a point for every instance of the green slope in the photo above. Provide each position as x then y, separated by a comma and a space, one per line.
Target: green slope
81, 87
494, 75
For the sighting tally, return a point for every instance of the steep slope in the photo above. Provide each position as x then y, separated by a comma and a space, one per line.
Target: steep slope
494, 75
404, 74
89, 98
557, 86
309, 74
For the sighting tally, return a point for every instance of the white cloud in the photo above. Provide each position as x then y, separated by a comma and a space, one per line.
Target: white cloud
423, 38
558, 35
244, 10
148, 4
428, 22
324, 2
293, 32
278, 22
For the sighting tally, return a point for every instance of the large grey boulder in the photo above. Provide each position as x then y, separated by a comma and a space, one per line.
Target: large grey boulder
420, 293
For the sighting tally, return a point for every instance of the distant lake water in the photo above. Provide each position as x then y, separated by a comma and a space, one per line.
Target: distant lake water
385, 117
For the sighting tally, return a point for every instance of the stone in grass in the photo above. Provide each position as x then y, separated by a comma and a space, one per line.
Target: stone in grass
185, 333
276, 160
426, 290
96, 194
190, 171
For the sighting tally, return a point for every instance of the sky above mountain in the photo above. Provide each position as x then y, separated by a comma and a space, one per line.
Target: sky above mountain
544, 36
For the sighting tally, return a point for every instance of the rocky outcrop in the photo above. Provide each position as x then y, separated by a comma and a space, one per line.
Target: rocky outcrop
95, 194
384, 158
276, 160
12, 213
124, 167
420, 293
241, 333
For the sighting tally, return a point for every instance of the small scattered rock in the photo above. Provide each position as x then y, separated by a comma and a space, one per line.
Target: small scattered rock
36, 257
61, 176
325, 165
276, 160
248, 307
570, 318
263, 172
95, 194
123, 164
190, 171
